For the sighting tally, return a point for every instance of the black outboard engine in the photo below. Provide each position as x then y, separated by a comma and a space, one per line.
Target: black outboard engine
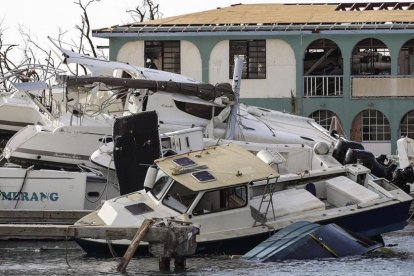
401, 177
342, 146
368, 160
136, 146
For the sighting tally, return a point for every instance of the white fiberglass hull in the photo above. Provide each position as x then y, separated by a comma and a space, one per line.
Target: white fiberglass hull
51, 190
64, 147
16, 112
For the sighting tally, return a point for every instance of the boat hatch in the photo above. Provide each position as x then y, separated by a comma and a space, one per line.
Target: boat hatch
184, 162
203, 176
139, 208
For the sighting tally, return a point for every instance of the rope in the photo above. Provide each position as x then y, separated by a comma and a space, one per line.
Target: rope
111, 249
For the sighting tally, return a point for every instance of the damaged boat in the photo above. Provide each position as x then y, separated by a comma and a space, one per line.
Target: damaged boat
180, 103
238, 200
306, 240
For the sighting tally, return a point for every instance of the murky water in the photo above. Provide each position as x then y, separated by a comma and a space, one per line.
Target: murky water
58, 258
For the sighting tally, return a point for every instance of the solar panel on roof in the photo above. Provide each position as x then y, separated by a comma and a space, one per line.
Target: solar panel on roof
203, 176
184, 162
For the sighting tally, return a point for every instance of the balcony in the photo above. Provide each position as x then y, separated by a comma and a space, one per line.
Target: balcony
382, 86
323, 86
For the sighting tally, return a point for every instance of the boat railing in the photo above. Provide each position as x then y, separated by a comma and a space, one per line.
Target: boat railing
266, 202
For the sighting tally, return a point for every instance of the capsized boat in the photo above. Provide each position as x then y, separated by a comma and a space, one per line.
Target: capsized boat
216, 187
306, 240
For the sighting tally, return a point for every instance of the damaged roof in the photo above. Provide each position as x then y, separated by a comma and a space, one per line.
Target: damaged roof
241, 17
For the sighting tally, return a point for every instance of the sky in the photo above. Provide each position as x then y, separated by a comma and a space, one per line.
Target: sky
43, 18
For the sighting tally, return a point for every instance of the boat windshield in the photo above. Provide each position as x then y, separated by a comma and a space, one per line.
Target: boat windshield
161, 184
179, 197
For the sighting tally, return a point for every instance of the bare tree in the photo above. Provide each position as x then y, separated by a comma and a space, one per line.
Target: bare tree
85, 27
146, 10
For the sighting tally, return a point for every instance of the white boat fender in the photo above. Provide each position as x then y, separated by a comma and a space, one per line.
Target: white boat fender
272, 158
150, 178
321, 148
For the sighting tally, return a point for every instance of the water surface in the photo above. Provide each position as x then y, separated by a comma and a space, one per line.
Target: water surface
60, 258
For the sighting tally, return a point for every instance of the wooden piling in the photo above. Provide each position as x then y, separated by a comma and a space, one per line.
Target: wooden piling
164, 263
180, 263
142, 231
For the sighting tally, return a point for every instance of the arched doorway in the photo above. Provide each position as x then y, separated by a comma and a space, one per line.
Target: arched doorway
322, 69
406, 58
371, 57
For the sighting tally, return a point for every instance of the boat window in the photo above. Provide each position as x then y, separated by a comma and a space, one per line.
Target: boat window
221, 200
179, 197
161, 184
198, 110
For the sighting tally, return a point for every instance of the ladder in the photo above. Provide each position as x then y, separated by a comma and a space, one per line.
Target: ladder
267, 201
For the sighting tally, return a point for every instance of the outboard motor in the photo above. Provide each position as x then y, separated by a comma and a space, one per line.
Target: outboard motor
136, 146
368, 160
342, 146
401, 178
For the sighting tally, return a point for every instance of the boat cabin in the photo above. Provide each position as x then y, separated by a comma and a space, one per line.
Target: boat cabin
205, 183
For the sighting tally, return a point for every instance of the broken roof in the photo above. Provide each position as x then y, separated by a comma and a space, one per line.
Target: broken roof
261, 16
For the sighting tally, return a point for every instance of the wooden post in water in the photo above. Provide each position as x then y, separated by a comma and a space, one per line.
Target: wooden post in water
134, 244
164, 263
180, 262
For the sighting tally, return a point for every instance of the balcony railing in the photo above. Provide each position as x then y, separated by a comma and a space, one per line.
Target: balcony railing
323, 86
382, 86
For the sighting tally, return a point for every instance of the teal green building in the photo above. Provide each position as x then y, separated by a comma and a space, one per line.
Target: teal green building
350, 66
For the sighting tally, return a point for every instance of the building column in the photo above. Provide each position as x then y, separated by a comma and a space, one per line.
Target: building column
205, 45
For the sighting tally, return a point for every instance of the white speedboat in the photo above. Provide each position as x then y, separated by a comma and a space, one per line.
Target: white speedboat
63, 147
217, 188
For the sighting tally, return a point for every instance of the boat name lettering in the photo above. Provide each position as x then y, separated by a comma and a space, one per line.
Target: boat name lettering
25, 196
167, 105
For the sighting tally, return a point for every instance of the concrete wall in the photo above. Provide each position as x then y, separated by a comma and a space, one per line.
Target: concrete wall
190, 60
132, 52
280, 71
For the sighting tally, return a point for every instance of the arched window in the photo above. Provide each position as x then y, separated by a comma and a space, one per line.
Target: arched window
406, 59
370, 57
328, 120
370, 125
407, 125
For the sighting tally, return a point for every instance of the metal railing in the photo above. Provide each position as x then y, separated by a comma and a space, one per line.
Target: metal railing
323, 86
